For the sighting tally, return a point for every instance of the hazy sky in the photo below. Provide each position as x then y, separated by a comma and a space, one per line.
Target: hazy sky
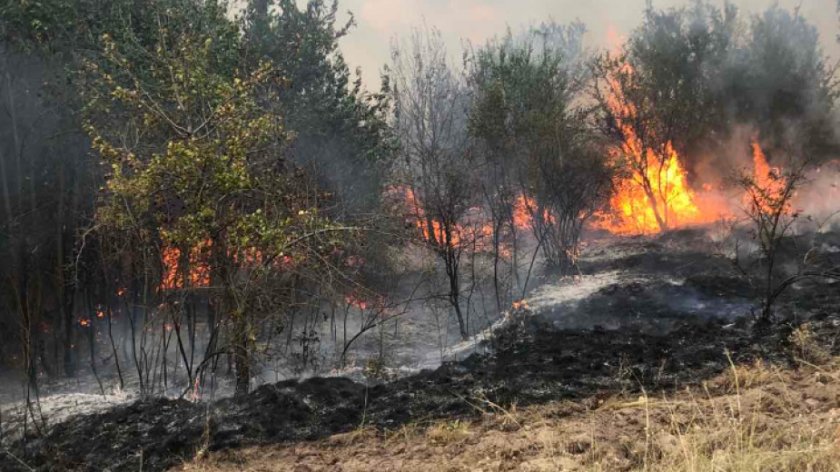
378, 21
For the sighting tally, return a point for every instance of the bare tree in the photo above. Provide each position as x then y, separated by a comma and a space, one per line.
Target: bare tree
430, 121
769, 192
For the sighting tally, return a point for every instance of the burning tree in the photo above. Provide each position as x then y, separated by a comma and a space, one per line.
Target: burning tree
678, 90
654, 194
196, 163
769, 193
430, 122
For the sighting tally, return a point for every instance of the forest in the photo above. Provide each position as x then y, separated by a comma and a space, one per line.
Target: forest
215, 235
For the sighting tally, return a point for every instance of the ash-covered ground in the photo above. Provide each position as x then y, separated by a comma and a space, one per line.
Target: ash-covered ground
654, 313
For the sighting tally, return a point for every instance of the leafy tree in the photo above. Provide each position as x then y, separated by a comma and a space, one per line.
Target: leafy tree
532, 137
195, 161
783, 87
340, 129
44, 43
660, 97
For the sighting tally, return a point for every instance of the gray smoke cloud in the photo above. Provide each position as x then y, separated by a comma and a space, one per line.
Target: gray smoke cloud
476, 21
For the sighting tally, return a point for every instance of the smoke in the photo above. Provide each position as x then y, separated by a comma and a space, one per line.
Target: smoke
819, 198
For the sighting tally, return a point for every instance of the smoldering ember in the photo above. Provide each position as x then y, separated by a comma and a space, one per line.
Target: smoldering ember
535, 236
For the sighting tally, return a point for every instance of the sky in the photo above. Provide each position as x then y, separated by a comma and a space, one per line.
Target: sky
379, 21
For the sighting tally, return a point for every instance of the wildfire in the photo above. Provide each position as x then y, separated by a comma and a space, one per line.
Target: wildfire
199, 269
474, 230
769, 184
654, 195
520, 305
524, 210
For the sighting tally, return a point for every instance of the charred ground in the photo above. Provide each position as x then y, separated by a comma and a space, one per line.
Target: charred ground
676, 316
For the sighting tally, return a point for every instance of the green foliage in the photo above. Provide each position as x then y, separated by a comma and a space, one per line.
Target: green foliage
534, 135
523, 89
677, 59
789, 92
206, 163
340, 130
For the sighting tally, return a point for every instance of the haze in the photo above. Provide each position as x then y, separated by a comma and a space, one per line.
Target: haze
379, 21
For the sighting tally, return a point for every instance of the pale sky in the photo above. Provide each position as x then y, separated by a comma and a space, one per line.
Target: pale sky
378, 21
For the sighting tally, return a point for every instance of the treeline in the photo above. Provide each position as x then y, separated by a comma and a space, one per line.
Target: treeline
184, 184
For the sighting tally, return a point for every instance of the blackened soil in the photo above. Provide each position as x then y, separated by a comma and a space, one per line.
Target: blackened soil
533, 363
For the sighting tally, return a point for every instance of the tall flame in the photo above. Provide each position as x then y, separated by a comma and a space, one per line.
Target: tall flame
769, 185
654, 195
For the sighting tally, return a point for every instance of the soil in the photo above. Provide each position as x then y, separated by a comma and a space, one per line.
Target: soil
616, 433
675, 319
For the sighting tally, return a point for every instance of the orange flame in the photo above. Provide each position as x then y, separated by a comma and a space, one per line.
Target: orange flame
520, 305
475, 231
199, 269
655, 195
768, 181
524, 210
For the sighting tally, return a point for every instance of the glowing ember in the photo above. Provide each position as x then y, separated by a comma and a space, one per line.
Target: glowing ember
84, 322
520, 305
199, 269
356, 301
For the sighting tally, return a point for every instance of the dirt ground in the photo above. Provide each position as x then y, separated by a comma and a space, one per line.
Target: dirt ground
755, 418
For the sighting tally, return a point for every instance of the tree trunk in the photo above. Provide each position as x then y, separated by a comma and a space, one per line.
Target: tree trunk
241, 357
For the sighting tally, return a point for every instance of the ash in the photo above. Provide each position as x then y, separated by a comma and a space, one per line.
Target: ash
645, 313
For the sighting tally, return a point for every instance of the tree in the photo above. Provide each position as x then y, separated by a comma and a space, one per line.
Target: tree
659, 97
44, 181
43, 44
195, 161
430, 122
769, 193
341, 134
782, 86
536, 149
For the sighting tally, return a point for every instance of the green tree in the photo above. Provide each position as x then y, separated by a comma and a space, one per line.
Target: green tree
195, 160
340, 130
533, 139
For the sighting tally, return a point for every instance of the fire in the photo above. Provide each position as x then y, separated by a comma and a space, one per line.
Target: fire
474, 230
354, 300
769, 184
524, 210
654, 195
435, 231
520, 305
199, 270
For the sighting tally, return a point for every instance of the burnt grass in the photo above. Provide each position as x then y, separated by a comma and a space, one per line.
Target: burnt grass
534, 361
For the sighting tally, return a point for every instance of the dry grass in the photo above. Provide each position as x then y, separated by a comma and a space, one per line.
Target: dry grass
751, 418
